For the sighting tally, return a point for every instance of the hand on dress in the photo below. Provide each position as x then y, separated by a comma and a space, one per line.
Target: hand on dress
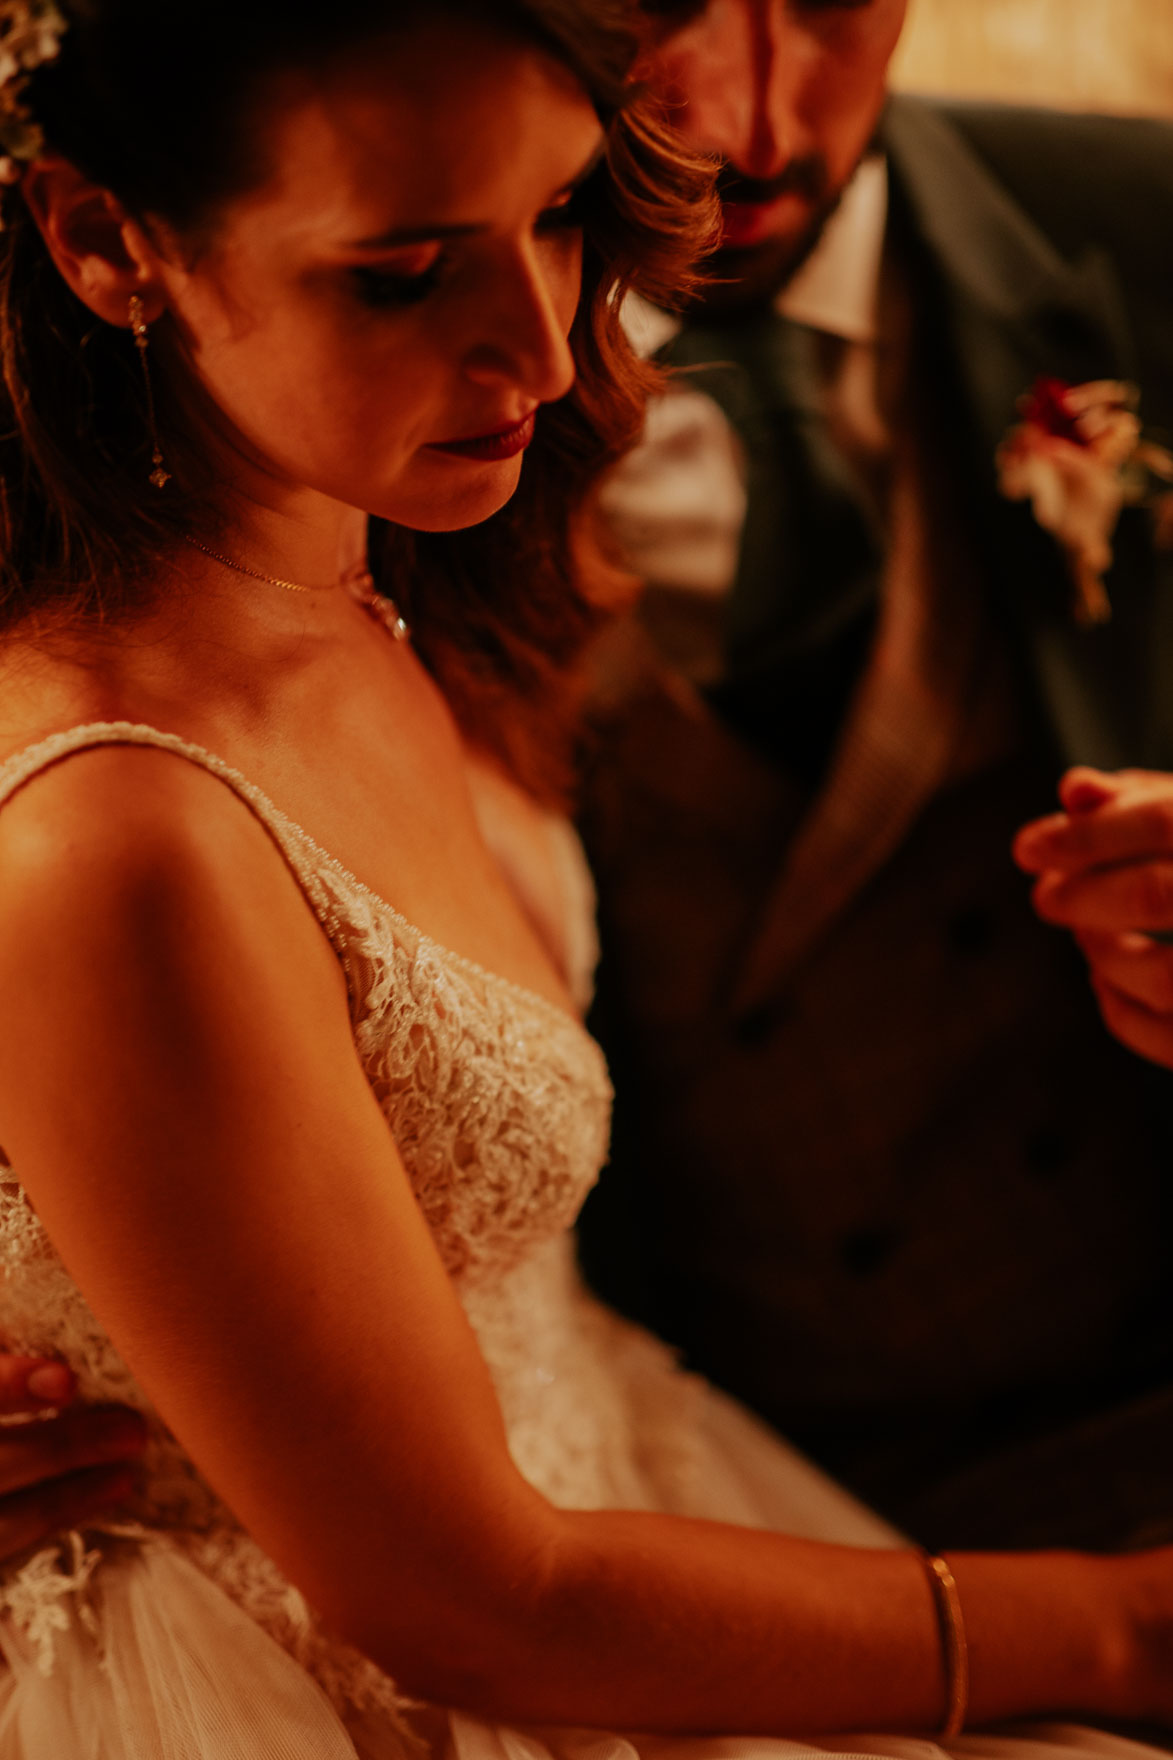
65, 1468
1105, 871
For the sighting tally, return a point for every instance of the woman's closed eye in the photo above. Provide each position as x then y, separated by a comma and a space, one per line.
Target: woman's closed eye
412, 276
402, 281
566, 214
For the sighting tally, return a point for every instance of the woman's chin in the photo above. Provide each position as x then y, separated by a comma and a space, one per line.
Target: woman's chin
466, 494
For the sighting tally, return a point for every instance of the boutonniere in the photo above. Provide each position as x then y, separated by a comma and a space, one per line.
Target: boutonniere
1079, 457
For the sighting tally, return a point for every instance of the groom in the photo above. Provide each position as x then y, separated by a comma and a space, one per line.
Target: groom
880, 1167
887, 1165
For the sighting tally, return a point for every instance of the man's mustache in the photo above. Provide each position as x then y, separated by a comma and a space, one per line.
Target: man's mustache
802, 177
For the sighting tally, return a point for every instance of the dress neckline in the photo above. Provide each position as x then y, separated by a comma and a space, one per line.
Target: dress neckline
77, 737
448, 954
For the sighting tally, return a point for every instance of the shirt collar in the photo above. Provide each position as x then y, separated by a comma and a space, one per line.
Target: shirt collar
648, 328
837, 288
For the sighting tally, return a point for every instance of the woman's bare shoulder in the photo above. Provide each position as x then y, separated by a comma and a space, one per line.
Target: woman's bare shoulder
111, 843
109, 809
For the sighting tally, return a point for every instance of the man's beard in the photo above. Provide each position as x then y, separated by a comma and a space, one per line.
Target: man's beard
740, 276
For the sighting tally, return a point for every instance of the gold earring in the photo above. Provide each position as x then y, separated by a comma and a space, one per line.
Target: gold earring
159, 476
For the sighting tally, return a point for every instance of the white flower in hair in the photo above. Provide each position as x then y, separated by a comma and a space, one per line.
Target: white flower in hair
30, 35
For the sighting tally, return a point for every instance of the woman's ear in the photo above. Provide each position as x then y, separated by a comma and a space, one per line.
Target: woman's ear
100, 252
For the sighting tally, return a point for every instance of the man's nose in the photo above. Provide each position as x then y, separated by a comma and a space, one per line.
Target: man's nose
780, 64
521, 342
738, 73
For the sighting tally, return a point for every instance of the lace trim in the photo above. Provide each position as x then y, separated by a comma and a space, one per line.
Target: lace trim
49, 1593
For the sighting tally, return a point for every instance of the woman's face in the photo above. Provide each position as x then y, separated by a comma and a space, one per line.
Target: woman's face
402, 285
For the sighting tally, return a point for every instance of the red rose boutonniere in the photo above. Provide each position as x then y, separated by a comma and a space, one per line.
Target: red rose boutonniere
1078, 456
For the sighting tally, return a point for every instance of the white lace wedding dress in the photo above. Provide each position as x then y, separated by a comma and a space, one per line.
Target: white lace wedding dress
168, 1635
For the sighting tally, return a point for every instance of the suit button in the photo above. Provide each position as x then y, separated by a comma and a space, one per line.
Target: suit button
971, 930
867, 1250
1048, 1151
757, 1025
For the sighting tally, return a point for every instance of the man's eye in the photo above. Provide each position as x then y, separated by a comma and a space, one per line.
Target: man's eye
388, 288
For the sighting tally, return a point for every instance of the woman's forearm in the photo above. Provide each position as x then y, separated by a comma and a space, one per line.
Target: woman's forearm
659, 1622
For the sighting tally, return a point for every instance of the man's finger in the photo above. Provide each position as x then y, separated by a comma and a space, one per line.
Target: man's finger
30, 1517
1132, 826
86, 1436
1082, 789
30, 1384
1133, 896
1135, 1026
1139, 969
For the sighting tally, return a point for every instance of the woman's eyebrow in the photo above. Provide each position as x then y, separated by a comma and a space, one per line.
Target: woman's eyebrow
399, 237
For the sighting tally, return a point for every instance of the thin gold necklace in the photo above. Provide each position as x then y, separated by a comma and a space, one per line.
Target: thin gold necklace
377, 603
273, 580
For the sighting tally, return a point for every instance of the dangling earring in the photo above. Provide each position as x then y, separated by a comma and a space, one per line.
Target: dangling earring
159, 476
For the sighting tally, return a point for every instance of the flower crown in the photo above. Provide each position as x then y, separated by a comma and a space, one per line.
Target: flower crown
30, 35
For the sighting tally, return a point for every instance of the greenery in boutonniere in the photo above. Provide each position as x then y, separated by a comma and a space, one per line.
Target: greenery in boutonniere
1079, 457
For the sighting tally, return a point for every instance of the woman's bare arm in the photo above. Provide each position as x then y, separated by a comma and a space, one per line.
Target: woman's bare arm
181, 1095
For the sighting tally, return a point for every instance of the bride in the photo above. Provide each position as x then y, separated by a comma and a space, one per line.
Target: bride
296, 1109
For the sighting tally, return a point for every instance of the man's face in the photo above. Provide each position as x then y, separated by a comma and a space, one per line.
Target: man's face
786, 94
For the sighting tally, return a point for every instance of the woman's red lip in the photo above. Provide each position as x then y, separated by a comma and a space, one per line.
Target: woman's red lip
503, 443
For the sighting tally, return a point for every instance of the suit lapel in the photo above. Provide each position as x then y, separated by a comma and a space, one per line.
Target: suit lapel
1009, 308
899, 742
1013, 308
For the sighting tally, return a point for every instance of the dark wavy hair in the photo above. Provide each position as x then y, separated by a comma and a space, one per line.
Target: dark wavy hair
156, 102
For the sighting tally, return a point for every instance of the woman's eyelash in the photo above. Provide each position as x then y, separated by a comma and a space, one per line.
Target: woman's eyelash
567, 213
387, 289
384, 288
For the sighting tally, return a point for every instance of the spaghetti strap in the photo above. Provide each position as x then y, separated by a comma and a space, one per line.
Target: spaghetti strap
300, 852
348, 910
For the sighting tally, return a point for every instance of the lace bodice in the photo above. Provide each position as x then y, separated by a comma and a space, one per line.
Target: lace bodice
499, 1104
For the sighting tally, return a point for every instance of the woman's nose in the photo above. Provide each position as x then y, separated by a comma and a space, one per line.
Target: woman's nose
522, 339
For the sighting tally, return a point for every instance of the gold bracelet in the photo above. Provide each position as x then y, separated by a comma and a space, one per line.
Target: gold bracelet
954, 1649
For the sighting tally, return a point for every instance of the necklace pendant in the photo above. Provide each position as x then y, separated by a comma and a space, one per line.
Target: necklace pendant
383, 609
387, 613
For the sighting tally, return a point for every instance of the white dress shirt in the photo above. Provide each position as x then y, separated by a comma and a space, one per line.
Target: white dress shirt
677, 504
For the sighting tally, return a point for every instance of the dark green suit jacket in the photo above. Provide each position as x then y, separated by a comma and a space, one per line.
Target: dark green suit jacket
1050, 239
813, 1196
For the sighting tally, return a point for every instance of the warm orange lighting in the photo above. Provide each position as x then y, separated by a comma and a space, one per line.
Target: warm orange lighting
1079, 54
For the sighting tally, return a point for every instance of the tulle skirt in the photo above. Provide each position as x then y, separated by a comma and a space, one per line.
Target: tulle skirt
159, 1664
156, 1662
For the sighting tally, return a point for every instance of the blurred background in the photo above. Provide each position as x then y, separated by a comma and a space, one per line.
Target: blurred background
1080, 54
